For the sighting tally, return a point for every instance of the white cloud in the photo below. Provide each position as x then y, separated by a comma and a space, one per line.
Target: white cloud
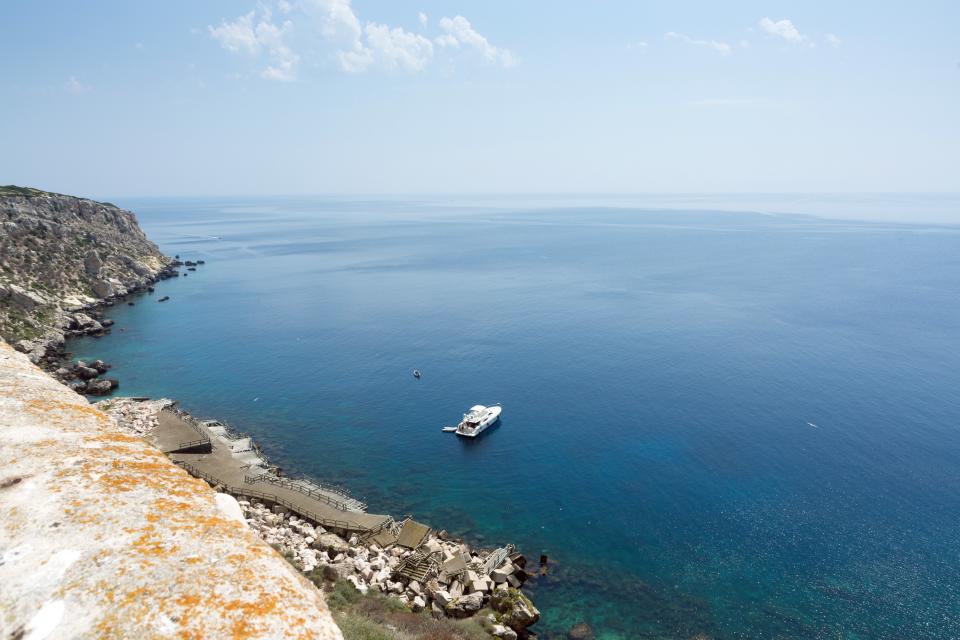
639, 44
254, 37
784, 29
720, 47
237, 35
833, 40
447, 40
338, 22
356, 47
74, 86
387, 48
374, 46
459, 31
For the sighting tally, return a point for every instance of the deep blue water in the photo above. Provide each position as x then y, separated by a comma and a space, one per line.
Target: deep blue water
659, 371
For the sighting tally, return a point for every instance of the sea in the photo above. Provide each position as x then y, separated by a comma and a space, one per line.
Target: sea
723, 416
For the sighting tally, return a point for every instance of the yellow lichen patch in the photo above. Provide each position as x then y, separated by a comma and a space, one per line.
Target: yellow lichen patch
46, 442
135, 595
116, 437
151, 543
44, 408
188, 600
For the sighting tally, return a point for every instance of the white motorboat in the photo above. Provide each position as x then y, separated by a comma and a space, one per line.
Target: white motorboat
477, 420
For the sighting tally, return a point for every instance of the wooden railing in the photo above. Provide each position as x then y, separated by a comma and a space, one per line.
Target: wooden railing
192, 423
329, 523
293, 485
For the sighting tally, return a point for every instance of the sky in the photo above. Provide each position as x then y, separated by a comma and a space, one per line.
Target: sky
374, 97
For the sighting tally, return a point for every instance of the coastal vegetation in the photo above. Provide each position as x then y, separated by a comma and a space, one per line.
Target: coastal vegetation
28, 192
374, 616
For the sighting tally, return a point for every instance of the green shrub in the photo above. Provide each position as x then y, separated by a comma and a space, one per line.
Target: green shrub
323, 575
356, 627
342, 595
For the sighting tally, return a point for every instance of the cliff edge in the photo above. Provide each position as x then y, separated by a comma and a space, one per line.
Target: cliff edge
102, 536
59, 254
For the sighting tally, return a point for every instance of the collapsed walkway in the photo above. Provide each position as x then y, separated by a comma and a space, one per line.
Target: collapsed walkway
209, 450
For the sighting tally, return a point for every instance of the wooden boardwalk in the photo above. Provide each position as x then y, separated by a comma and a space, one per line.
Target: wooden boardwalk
220, 466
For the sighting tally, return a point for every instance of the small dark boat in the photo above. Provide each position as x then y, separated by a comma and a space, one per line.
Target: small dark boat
416, 373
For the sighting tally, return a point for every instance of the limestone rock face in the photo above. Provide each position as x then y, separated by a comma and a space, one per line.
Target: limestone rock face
332, 543
465, 606
102, 536
517, 612
21, 298
92, 263
101, 288
60, 252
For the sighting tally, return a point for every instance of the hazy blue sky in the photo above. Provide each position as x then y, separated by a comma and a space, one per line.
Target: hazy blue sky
320, 96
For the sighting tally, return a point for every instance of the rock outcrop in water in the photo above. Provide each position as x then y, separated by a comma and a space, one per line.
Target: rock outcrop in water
59, 255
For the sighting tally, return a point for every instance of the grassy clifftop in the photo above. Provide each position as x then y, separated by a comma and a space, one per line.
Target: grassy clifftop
30, 192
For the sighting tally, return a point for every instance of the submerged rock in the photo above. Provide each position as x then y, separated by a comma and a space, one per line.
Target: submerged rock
581, 631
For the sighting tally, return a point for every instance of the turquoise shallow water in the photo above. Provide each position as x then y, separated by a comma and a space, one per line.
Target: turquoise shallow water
661, 374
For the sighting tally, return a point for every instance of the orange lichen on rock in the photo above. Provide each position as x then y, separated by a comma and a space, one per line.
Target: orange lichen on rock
123, 541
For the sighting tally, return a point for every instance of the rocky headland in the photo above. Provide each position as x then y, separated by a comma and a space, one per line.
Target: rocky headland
63, 260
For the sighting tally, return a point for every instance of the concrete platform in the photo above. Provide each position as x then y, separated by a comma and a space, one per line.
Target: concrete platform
236, 473
173, 434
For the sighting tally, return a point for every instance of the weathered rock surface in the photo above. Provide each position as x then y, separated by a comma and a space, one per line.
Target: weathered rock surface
60, 253
103, 536
464, 606
515, 609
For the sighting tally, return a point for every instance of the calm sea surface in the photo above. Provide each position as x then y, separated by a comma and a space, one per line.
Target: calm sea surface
741, 425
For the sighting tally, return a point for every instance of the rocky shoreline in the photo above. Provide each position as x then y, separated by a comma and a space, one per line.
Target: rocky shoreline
91, 320
67, 261
455, 581
62, 260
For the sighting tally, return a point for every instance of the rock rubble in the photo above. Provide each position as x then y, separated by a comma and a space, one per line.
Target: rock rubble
369, 567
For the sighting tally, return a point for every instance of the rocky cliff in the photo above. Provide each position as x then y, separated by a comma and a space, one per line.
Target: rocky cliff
60, 254
102, 536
